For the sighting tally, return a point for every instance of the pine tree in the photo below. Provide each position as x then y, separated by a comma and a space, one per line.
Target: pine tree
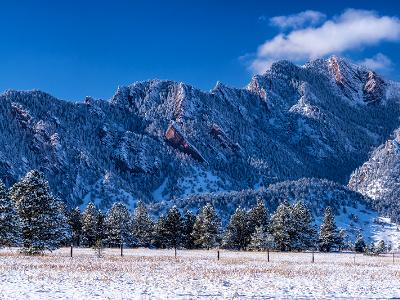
342, 239
371, 250
101, 226
142, 226
117, 225
206, 228
282, 226
238, 232
328, 235
261, 239
64, 229
159, 236
188, 223
43, 225
258, 216
74, 220
381, 247
173, 226
359, 244
90, 224
304, 235
10, 225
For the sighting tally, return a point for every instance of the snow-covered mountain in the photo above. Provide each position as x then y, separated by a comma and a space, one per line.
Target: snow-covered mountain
379, 177
159, 140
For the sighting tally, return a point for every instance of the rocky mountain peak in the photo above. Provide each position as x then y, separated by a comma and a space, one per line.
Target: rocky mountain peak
336, 69
374, 88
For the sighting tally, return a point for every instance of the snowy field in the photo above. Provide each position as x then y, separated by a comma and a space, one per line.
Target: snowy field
156, 274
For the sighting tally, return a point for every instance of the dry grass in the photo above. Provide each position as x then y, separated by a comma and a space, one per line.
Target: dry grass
150, 272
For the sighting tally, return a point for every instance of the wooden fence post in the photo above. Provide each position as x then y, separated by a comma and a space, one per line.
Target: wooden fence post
217, 254
268, 254
122, 247
393, 257
312, 257
72, 246
175, 252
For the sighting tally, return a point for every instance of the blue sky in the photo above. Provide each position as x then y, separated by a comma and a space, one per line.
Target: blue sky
76, 48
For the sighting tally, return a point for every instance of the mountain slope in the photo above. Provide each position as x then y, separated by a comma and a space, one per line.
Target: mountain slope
378, 178
353, 211
158, 140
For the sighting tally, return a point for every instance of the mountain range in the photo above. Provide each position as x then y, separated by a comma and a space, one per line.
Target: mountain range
167, 142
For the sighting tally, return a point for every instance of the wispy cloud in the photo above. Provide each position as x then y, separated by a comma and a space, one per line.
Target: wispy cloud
351, 30
304, 18
378, 62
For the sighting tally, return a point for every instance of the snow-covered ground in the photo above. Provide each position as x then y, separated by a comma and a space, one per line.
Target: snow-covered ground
156, 274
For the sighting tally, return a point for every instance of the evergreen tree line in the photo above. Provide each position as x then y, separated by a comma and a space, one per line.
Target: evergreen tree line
31, 217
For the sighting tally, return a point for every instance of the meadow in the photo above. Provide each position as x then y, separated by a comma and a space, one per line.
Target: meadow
196, 274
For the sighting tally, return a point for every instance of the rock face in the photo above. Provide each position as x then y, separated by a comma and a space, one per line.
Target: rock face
374, 88
176, 139
349, 77
225, 141
158, 140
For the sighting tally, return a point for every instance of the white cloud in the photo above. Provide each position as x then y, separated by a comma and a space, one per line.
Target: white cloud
304, 18
351, 30
378, 62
